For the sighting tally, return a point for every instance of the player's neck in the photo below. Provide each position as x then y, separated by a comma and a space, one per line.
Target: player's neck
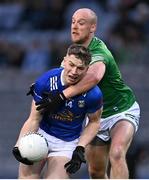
87, 42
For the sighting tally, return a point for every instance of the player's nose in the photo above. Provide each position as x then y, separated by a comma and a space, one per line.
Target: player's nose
74, 70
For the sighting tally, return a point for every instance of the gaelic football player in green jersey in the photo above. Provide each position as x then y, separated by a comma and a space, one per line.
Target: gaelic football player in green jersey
121, 113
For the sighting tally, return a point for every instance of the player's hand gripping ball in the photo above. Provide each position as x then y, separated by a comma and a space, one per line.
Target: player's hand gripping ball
33, 146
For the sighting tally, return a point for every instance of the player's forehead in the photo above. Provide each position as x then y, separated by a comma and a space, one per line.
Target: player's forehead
81, 15
75, 61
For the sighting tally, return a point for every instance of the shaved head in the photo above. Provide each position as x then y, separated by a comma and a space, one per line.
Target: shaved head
88, 13
83, 26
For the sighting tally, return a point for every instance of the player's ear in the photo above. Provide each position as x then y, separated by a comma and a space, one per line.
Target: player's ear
64, 60
93, 28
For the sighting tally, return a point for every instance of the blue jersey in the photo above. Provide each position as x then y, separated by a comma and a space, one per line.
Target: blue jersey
66, 123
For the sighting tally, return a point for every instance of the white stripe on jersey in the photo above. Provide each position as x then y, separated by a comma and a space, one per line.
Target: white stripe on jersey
53, 83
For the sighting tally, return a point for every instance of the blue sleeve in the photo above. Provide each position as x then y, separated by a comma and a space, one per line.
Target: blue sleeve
94, 100
40, 86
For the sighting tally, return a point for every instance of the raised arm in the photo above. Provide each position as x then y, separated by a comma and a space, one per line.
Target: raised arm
93, 76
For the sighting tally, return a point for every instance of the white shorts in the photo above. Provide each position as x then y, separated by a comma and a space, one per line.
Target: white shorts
58, 147
132, 115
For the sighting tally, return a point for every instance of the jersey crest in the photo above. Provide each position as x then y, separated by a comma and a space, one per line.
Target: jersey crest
81, 103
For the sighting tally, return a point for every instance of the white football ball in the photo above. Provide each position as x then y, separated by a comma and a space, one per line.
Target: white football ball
33, 146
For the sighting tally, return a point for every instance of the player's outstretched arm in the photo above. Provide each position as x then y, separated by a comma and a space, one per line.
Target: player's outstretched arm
52, 102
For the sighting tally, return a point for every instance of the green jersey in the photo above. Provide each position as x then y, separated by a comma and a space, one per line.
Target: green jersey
117, 96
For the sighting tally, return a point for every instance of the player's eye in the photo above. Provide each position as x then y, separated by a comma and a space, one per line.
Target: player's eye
71, 64
82, 22
72, 21
81, 68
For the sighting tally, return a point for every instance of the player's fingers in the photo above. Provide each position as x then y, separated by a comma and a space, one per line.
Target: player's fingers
43, 111
72, 168
46, 94
83, 160
75, 168
67, 164
38, 108
40, 102
41, 106
27, 162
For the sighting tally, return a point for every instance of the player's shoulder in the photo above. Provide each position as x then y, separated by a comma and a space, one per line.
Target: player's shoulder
96, 43
43, 81
95, 93
51, 73
100, 51
94, 98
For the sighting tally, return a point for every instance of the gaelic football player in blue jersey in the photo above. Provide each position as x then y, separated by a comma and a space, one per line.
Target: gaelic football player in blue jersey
63, 127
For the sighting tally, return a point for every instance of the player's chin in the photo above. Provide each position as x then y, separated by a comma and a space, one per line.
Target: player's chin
75, 39
72, 81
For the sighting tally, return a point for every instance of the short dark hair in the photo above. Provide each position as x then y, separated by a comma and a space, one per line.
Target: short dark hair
80, 52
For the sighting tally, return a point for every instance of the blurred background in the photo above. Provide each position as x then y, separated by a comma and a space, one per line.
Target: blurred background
34, 36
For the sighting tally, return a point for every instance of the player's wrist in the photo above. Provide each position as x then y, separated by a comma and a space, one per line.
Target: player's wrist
62, 96
67, 93
80, 149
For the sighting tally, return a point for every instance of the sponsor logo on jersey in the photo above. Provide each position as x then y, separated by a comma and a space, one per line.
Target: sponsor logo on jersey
65, 115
